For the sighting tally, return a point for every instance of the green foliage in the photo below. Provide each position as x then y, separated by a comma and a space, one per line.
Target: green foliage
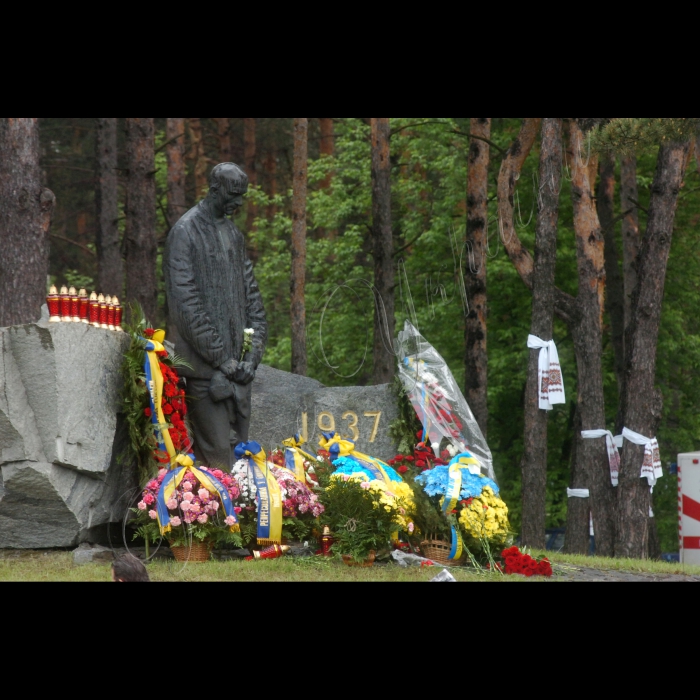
403, 430
628, 135
357, 518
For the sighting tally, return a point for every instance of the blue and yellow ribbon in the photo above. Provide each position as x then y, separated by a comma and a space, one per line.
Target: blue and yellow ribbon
181, 466
294, 457
154, 382
269, 495
337, 447
454, 487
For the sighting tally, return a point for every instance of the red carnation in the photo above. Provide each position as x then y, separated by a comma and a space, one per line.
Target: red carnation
147, 412
167, 409
402, 470
170, 390
421, 463
408, 458
419, 434
162, 353
149, 332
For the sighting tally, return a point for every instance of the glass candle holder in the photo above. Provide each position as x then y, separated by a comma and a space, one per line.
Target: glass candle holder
84, 304
94, 310
65, 305
53, 301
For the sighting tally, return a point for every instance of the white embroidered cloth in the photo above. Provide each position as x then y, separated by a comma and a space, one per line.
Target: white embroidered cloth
578, 493
651, 467
613, 454
551, 382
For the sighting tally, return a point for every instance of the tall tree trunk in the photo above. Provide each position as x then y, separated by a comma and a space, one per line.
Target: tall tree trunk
384, 323
223, 129
642, 402
615, 297
110, 266
250, 155
534, 461
327, 145
25, 218
271, 169
578, 511
177, 173
140, 236
196, 155
476, 359
631, 241
301, 154
587, 333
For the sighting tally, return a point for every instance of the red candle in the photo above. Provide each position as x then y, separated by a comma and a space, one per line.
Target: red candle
74, 305
103, 311
110, 313
53, 301
65, 305
327, 541
117, 314
94, 310
84, 303
273, 552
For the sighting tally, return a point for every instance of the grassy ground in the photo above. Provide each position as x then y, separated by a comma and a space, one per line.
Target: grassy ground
58, 566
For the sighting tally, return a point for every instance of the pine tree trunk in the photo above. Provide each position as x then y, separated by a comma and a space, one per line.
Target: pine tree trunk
384, 323
587, 333
196, 155
223, 129
141, 246
327, 145
476, 359
534, 461
642, 403
578, 510
177, 173
25, 218
615, 296
298, 282
271, 168
631, 240
250, 155
110, 266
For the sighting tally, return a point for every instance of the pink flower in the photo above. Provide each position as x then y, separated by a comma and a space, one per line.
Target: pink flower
189, 518
214, 505
230, 521
237, 510
149, 499
202, 519
218, 474
152, 514
195, 507
185, 506
186, 485
152, 485
172, 504
411, 527
175, 522
142, 505
227, 481
366, 485
189, 497
162, 473
203, 494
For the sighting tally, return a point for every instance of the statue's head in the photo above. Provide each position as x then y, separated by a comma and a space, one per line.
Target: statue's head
227, 186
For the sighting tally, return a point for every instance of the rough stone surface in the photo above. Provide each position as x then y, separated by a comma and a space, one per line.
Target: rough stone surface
60, 435
285, 404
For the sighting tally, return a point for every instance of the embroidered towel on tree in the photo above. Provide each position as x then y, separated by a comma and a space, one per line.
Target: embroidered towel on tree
651, 468
551, 383
613, 454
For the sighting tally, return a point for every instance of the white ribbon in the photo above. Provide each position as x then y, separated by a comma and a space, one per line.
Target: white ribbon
578, 493
550, 379
651, 467
613, 454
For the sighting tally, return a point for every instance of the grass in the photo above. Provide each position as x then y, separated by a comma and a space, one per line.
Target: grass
58, 566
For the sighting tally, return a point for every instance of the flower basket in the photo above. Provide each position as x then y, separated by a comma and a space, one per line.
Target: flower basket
197, 552
349, 561
439, 552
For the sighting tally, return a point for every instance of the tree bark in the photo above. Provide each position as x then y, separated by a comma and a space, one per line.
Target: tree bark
631, 241
196, 155
578, 511
615, 297
271, 168
25, 218
110, 266
249, 155
177, 173
476, 359
223, 129
642, 402
327, 145
534, 461
587, 333
141, 247
384, 323
298, 282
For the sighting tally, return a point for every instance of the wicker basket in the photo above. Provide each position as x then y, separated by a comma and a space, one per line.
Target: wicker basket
439, 552
349, 561
198, 552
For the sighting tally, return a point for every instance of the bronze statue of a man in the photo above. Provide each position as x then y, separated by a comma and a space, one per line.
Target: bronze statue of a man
212, 298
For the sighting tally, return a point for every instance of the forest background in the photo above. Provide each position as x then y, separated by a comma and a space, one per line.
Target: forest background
429, 171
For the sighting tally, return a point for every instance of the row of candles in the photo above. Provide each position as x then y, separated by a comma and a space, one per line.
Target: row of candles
69, 306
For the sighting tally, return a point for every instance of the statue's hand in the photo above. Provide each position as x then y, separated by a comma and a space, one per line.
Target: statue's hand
245, 373
229, 368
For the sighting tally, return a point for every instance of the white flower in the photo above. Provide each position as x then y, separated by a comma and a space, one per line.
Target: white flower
250, 332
